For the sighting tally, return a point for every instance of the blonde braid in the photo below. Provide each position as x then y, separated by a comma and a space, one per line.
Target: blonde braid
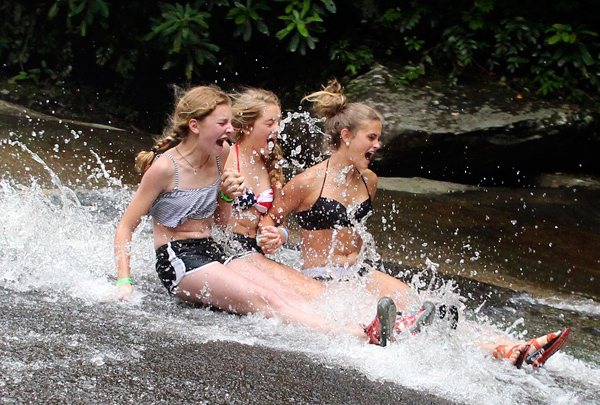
273, 163
145, 158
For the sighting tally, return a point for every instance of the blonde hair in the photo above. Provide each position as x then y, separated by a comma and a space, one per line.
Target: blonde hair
248, 106
331, 103
197, 103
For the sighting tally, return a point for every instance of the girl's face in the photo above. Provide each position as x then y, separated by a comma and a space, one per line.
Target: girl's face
215, 128
364, 144
263, 134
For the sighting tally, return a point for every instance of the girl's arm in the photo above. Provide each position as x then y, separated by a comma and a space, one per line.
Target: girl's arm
232, 186
154, 181
286, 200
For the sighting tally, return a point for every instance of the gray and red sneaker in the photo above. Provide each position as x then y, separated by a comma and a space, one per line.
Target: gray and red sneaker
406, 324
381, 329
412, 323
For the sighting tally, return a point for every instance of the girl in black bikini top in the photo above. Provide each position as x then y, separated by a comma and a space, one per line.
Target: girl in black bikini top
327, 213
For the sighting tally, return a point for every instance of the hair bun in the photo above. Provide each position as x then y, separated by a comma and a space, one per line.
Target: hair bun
330, 101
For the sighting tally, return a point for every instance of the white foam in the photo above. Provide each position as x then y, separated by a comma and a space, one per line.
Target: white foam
53, 243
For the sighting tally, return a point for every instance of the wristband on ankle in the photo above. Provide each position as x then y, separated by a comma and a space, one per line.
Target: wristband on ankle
286, 232
224, 197
125, 280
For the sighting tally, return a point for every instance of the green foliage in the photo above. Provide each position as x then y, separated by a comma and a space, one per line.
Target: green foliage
485, 6
460, 46
409, 73
247, 15
31, 74
413, 44
550, 49
81, 13
516, 42
402, 20
548, 81
569, 54
557, 58
186, 31
570, 48
15, 47
354, 60
301, 17
509, 38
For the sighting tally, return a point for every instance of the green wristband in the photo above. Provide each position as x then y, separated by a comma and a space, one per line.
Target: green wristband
224, 197
124, 281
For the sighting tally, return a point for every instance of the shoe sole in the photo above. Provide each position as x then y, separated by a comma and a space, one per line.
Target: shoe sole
386, 313
449, 314
424, 318
539, 357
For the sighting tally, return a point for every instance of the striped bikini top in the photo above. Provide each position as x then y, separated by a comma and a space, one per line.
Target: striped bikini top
173, 208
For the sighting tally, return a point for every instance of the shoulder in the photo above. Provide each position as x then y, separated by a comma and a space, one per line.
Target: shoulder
371, 180
309, 177
162, 165
161, 172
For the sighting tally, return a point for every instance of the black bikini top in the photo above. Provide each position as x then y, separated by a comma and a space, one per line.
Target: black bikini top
327, 213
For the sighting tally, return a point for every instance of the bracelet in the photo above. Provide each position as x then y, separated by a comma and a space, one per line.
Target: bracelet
224, 197
124, 280
287, 233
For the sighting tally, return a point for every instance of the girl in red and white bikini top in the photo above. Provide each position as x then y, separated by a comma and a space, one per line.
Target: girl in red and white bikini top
256, 157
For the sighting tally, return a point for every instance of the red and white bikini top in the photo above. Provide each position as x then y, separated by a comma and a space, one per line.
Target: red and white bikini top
262, 202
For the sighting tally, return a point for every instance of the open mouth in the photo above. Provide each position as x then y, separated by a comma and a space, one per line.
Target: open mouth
221, 141
369, 155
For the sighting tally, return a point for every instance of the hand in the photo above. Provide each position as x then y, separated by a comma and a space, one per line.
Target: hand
125, 291
232, 184
270, 239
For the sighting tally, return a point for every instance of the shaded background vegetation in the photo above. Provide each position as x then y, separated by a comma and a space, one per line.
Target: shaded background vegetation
116, 61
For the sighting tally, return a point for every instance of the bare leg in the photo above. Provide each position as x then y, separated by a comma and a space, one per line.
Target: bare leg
224, 288
384, 285
248, 270
304, 285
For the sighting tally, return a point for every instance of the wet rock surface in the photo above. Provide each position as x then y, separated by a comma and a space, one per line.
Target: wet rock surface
77, 353
479, 133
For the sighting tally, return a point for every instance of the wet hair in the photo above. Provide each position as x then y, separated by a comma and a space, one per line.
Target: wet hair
331, 103
248, 106
196, 103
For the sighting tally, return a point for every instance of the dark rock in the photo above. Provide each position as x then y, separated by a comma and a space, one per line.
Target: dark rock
482, 133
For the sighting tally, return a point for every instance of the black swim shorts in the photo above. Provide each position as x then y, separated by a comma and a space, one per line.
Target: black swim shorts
241, 245
178, 258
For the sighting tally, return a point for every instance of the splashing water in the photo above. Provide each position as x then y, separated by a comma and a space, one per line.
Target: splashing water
57, 248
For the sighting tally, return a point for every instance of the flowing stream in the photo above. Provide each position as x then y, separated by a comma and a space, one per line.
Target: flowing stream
518, 263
